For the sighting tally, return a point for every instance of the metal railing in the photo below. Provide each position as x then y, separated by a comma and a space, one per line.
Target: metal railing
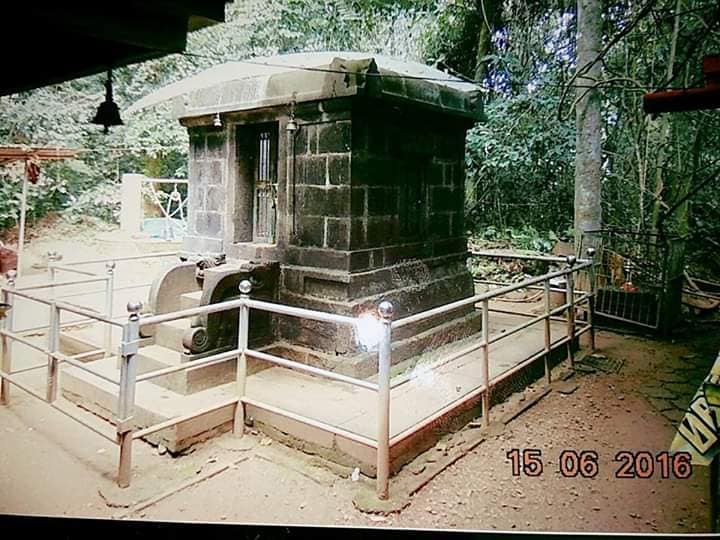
127, 432
173, 208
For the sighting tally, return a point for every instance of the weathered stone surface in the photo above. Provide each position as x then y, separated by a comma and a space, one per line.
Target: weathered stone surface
208, 223
338, 233
209, 172
311, 231
339, 169
215, 199
313, 170
334, 137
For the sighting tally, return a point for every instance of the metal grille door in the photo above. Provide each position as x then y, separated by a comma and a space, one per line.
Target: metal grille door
265, 196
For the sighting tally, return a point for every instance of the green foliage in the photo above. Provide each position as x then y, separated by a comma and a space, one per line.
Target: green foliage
101, 202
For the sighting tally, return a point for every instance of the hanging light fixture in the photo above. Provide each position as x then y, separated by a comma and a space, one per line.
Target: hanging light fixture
108, 113
292, 125
217, 121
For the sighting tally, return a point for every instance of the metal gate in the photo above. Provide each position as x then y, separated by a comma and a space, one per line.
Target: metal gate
265, 191
636, 274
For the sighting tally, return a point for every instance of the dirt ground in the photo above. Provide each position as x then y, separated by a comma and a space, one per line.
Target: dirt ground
51, 466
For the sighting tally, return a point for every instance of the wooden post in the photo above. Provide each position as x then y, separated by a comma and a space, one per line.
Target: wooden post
21, 227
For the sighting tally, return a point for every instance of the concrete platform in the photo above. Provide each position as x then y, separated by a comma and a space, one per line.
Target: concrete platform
277, 397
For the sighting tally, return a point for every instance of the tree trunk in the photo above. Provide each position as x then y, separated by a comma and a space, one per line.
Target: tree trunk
588, 157
489, 12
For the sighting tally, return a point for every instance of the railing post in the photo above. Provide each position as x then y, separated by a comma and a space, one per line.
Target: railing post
53, 346
7, 324
241, 372
53, 257
386, 310
486, 362
591, 299
548, 336
570, 301
109, 288
128, 349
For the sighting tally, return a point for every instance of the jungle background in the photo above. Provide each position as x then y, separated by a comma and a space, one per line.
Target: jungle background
656, 172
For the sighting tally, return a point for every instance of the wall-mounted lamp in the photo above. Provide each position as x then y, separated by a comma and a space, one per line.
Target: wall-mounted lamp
217, 121
108, 113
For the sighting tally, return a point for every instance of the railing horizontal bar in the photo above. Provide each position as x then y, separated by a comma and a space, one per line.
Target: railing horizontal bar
518, 328
64, 268
432, 418
531, 287
140, 433
485, 296
522, 256
314, 423
106, 436
310, 369
86, 313
586, 327
27, 342
301, 312
207, 361
32, 368
520, 314
62, 283
78, 356
125, 258
73, 362
16, 292
190, 312
7, 377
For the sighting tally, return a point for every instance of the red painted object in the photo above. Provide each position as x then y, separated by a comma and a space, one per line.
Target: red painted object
689, 99
8, 259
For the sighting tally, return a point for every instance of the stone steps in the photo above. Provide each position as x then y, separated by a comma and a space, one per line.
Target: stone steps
170, 334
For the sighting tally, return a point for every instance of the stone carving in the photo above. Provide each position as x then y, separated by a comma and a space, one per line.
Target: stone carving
208, 261
196, 339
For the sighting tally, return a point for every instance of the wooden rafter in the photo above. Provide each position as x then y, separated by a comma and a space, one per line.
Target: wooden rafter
40, 153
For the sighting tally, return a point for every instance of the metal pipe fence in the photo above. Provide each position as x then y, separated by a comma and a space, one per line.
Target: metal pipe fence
126, 430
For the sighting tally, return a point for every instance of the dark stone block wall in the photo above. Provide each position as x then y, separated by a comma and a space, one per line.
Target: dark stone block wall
322, 184
207, 175
370, 207
380, 205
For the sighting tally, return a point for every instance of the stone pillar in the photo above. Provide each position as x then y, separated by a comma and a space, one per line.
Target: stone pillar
207, 184
131, 205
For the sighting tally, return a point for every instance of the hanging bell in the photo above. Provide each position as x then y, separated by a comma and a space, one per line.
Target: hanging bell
108, 113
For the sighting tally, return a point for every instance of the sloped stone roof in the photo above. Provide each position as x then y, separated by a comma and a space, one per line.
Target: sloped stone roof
277, 80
